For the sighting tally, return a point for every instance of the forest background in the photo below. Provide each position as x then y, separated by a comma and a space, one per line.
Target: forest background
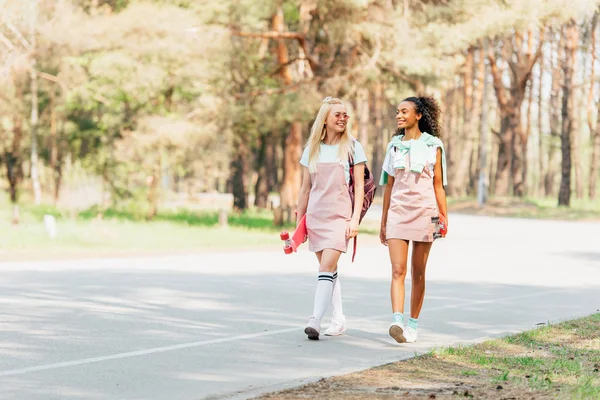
175, 109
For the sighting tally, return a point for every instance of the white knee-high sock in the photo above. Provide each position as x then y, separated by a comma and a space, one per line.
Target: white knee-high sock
336, 298
323, 294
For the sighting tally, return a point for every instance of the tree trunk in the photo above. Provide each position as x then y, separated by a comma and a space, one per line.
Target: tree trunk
479, 101
292, 173
362, 108
35, 178
483, 183
14, 169
576, 153
595, 165
493, 164
153, 181
569, 122
512, 137
502, 180
379, 139
271, 163
521, 136
517, 161
595, 133
56, 151
555, 122
293, 143
541, 155
525, 141
261, 190
449, 118
461, 173
239, 174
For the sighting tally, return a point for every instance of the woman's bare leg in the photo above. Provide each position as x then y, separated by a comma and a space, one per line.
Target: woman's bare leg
419, 263
419, 258
398, 256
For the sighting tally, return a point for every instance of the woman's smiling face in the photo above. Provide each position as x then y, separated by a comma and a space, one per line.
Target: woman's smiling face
337, 119
406, 115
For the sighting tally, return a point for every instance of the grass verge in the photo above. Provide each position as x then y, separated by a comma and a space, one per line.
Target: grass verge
555, 361
110, 232
126, 231
92, 233
527, 208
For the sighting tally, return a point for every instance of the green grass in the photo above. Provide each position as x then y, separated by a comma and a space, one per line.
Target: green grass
127, 231
547, 208
563, 357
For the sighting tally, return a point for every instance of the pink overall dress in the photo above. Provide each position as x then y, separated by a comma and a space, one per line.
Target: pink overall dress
412, 205
329, 208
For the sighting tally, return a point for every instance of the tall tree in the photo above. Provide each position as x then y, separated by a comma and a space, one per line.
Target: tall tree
378, 115
540, 123
569, 116
479, 102
595, 133
555, 57
460, 174
520, 58
483, 182
11, 137
292, 149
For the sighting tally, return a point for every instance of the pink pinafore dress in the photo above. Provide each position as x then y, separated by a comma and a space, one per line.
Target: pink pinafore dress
412, 205
329, 208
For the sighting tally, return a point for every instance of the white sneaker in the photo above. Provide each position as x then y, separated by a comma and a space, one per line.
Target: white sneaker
411, 335
397, 332
337, 327
313, 327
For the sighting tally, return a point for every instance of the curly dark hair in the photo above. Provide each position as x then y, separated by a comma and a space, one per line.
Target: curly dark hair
430, 112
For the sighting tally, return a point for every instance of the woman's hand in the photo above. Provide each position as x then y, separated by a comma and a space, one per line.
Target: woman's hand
352, 229
382, 235
444, 223
298, 219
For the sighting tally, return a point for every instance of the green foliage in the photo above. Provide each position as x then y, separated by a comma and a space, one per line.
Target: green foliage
261, 220
133, 89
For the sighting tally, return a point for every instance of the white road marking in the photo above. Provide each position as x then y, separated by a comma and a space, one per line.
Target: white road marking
130, 354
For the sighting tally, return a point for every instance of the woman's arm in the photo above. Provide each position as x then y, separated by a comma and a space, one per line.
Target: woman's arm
438, 186
359, 196
359, 190
387, 194
303, 195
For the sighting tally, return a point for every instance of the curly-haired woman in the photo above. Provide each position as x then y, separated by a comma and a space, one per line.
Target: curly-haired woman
414, 175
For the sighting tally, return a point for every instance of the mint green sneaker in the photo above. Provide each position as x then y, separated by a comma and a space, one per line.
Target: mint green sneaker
410, 334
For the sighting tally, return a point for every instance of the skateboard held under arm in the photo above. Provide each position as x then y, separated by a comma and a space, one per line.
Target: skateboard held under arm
291, 244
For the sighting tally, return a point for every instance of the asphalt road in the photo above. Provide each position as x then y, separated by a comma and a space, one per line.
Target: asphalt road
230, 325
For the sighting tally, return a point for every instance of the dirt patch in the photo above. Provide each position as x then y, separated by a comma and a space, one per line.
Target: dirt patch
537, 365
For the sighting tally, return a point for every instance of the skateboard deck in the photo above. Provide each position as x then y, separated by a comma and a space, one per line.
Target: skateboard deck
291, 244
441, 227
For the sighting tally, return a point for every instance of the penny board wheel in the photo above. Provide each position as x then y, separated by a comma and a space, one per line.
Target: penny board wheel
284, 235
288, 250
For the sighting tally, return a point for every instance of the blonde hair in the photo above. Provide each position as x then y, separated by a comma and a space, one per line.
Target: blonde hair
319, 131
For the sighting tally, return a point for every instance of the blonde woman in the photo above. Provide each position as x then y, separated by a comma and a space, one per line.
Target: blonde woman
330, 220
